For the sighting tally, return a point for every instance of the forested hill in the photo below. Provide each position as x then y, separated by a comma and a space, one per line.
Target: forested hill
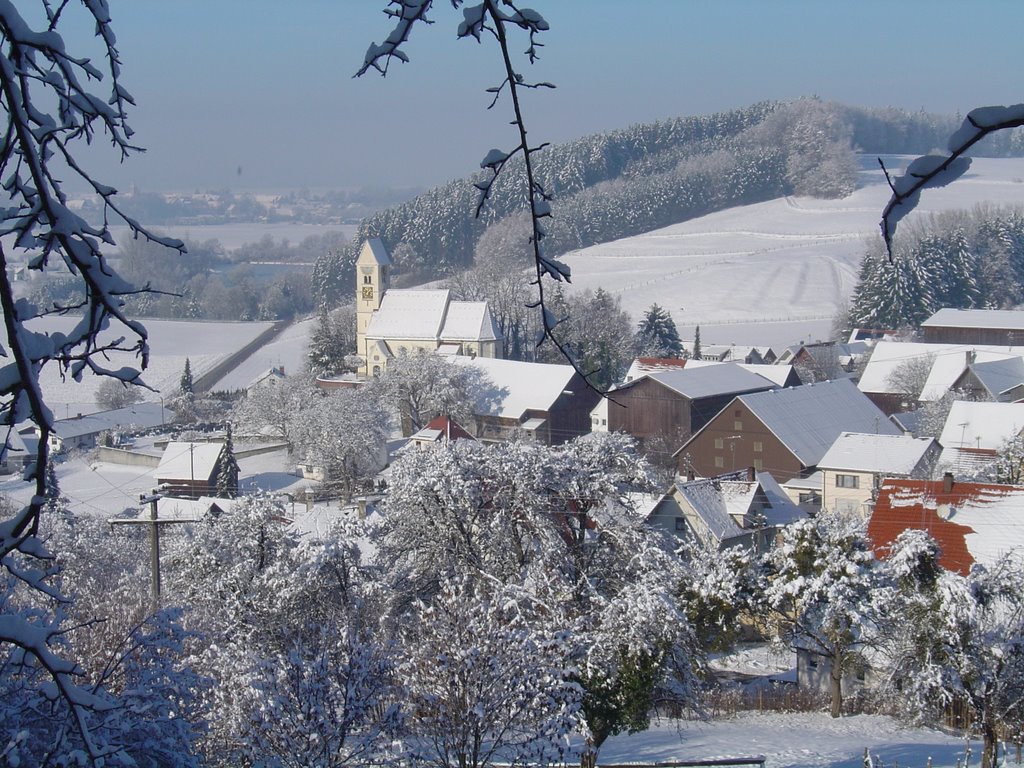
621, 183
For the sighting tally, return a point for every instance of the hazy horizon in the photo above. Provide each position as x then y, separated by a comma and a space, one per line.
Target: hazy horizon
260, 96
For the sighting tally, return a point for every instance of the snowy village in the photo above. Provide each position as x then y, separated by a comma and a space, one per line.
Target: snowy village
695, 442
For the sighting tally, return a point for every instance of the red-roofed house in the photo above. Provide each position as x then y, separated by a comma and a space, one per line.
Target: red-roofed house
972, 522
439, 429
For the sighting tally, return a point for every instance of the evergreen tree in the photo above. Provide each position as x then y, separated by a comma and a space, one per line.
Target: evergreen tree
227, 473
695, 354
185, 384
657, 335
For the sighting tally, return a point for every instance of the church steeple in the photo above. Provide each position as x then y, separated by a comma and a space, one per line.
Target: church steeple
372, 280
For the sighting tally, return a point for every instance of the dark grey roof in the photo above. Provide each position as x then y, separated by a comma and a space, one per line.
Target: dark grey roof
140, 415
809, 418
711, 380
1000, 376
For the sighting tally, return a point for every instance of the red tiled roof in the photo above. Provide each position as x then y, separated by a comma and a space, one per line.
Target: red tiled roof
916, 504
449, 428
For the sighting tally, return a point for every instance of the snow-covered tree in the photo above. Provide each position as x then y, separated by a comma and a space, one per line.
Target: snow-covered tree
333, 341
557, 522
657, 335
270, 409
227, 472
343, 433
487, 681
1009, 466
421, 385
55, 100
111, 394
950, 638
819, 585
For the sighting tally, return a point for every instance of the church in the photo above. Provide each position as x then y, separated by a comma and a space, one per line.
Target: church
391, 321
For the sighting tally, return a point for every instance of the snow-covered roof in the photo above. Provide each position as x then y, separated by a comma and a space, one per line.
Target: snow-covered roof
440, 428
140, 415
409, 314
973, 522
981, 425
779, 374
1008, 319
861, 452
521, 386
642, 366
375, 251
469, 321
711, 380
188, 461
721, 501
1000, 376
813, 482
949, 362
808, 419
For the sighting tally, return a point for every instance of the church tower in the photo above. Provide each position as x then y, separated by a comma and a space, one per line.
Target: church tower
372, 281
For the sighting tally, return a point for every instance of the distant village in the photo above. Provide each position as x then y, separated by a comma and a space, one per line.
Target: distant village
743, 442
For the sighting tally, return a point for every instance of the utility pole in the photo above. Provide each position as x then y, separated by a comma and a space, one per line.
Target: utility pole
154, 522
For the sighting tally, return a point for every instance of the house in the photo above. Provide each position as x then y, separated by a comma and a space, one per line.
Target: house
15, 454
806, 492
999, 380
973, 434
998, 327
782, 375
269, 378
439, 429
740, 509
673, 404
825, 360
972, 522
732, 353
781, 431
891, 371
82, 432
855, 466
190, 470
539, 401
389, 321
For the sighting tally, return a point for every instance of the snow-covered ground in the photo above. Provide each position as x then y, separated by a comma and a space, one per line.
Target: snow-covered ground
171, 341
287, 350
791, 740
773, 272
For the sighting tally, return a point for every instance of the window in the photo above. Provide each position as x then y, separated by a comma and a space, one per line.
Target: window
758, 467
719, 462
719, 443
367, 279
758, 446
847, 481
737, 425
812, 662
680, 523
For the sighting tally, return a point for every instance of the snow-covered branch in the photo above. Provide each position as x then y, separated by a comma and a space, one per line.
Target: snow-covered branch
938, 170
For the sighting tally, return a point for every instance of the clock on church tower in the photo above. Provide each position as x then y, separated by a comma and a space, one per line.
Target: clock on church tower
368, 292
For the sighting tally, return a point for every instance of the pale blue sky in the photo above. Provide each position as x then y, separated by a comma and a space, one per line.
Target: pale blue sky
266, 85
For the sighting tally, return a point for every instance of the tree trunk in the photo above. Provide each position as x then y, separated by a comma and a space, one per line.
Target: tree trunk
990, 749
835, 685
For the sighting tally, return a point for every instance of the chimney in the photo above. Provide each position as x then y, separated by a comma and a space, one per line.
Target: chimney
947, 482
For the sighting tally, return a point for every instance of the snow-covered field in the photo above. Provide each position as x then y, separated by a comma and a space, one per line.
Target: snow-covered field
791, 740
287, 350
204, 343
773, 272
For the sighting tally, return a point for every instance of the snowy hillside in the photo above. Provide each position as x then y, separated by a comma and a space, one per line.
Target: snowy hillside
773, 272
